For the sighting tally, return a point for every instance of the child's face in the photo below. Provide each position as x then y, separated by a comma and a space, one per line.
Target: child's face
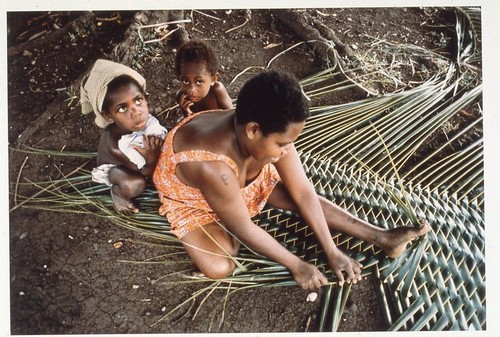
128, 108
196, 80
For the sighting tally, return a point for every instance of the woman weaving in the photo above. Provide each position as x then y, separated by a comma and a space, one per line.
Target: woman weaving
217, 169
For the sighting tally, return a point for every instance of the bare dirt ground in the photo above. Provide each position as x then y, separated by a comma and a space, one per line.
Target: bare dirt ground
66, 274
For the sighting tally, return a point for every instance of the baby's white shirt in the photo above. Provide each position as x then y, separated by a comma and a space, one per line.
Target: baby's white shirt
126, 142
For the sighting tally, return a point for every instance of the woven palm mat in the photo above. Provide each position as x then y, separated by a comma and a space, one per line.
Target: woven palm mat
437, 284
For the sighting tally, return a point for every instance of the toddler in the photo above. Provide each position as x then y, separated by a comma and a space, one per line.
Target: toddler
131, 141
197, 68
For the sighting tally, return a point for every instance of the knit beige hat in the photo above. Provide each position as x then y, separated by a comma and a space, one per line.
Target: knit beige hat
94, 87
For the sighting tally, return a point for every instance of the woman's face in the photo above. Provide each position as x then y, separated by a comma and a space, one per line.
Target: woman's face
128, 108
270, 148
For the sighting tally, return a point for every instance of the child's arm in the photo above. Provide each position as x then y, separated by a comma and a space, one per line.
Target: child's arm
108, 152
224, 102
150, 152
184, 103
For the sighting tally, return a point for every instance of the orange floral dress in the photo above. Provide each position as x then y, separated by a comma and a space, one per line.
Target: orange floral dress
184, 206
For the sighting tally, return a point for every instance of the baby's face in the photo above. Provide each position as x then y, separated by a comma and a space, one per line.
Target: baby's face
195, 80
128, 108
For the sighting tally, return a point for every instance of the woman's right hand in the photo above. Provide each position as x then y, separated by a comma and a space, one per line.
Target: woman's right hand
308, 276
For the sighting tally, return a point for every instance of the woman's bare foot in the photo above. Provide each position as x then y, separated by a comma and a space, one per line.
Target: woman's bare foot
395, 239
121, 204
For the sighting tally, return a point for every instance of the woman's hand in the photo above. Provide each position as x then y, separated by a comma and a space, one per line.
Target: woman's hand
340, 262
308, 276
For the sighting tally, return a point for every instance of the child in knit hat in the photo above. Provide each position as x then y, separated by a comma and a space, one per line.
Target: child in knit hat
132, 138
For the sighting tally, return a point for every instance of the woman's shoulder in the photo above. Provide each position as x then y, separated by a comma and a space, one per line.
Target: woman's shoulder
210, 120
208, 134
207, 130
206, 158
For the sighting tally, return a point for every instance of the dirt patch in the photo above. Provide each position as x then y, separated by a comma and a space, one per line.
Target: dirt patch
67, 276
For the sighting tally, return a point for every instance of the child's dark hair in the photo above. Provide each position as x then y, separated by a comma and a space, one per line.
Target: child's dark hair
197, 51
116, 83
273, 99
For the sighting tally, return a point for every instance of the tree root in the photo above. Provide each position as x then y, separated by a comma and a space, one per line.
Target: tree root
318, 36
126, 50
84, 22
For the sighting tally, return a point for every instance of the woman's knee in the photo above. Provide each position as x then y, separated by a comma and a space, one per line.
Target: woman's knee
212, 250
218, 269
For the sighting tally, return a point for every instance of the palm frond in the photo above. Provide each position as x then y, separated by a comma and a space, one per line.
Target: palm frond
469, 35
64, 153
405, 120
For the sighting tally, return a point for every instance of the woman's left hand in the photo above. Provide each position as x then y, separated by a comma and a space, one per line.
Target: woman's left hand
341, 263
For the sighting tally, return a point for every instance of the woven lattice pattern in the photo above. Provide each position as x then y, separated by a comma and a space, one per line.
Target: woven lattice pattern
439, 282
289, 229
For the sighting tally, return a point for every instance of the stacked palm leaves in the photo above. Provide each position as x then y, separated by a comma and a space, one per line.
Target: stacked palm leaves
362, 156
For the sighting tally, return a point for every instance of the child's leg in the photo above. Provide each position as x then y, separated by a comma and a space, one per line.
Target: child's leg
211, 248
392, 241
126, 185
